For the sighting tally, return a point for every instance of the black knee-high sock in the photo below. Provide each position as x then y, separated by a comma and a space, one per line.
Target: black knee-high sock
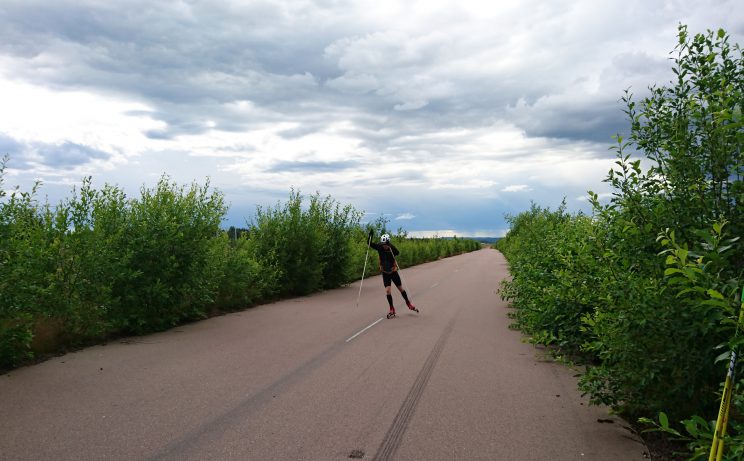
405, 296
390, 300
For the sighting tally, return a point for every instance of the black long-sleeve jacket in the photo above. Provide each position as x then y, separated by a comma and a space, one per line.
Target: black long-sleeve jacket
387, 252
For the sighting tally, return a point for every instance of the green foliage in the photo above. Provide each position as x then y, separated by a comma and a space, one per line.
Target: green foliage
310, 249
662, 262
168, 240
415, 251
323, 246
337, 227
239, 278
15, 340
554, 274
101, 264
698, 432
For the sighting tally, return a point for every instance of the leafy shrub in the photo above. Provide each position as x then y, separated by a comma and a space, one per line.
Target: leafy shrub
554, 275
240, 279
657, 298
310, 248
166, 242
99, 263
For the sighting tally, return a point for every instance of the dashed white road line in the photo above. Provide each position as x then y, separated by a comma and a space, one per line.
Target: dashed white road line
366, 328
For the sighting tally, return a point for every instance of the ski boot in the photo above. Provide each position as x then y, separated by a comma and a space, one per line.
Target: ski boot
411, 306
391, 314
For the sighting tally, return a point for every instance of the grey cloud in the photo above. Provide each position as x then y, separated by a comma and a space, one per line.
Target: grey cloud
320, 62
591, 122
173, 55
9, 145
189, 59
311, 167
16, 152
26, 156
572, 113
635, 64
400, 177
238, 148
301, 130
69, 155
354, 83
159, 134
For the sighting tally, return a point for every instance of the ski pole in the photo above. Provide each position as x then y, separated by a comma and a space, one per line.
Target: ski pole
363, 270
716, 448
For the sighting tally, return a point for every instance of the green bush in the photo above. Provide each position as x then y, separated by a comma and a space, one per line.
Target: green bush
239, 277
25, 265
655, 274
554, 275
311, 249
100, 264
167, 241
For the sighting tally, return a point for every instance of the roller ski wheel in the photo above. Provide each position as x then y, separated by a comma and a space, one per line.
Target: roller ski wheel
412, 307
391, 314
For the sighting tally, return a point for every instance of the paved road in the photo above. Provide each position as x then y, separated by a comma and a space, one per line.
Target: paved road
318, 378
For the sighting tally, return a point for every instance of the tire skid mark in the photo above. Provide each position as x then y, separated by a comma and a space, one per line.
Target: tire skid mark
179, 448
394, 435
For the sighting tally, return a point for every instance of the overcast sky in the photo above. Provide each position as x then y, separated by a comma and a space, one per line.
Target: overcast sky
440, 115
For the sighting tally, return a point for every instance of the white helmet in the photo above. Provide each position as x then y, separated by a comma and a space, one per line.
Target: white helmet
385, 238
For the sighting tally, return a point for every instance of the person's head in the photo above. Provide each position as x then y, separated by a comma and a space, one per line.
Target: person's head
384, 238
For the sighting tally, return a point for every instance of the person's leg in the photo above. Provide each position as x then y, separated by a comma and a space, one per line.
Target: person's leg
386, 280
399, 286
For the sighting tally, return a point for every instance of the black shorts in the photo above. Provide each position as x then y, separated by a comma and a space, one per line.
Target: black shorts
393, 276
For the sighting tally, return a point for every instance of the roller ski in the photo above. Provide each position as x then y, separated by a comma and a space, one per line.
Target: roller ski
391, 314
411, 306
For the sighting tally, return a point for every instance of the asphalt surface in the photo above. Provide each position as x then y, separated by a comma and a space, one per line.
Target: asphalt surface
320, 378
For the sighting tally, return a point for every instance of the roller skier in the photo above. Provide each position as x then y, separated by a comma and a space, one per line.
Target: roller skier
389, 269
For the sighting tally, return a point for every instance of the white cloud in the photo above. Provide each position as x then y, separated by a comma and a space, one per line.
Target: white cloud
35, 113
405, 216
517, 188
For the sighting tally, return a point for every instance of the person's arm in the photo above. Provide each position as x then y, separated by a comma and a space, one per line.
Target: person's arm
395, 250
370, 241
